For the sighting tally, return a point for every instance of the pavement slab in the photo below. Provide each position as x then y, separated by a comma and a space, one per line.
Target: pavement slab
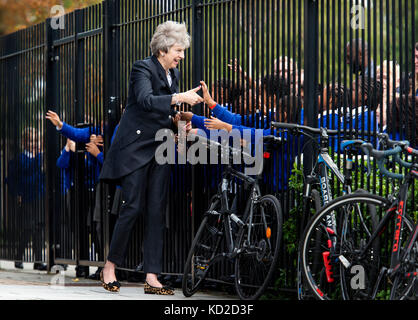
27, 284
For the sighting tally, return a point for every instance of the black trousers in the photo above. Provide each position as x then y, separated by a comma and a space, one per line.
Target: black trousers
144, 191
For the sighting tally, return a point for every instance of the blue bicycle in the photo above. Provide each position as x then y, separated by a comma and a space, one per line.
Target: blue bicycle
363, 269
318, 193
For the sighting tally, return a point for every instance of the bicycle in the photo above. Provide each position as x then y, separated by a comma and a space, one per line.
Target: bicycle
252, 242
322, 170
351, 244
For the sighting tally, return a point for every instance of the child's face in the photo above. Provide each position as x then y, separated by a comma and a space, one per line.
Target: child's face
31, 144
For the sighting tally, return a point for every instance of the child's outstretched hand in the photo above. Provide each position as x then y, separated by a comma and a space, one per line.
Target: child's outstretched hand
214, 123
206, 95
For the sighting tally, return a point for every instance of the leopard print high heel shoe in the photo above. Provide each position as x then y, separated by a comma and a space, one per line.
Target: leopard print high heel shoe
111, 286
165, 290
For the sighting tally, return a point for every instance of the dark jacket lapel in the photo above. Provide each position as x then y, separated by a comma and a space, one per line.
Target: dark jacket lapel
160, 69
174, 82
163, 76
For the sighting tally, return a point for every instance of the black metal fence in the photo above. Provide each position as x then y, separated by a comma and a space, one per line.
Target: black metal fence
63, 215
23, 186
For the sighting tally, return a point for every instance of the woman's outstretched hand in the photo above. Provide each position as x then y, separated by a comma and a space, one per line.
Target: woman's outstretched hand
190, 97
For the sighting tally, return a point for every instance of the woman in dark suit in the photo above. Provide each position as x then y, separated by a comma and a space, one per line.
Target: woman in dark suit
130, 161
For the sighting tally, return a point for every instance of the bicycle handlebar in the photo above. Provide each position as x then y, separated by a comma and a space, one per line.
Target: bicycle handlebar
397, 146
214, 144
384, 138
386, 141
346, 143
381, 156
411, 151
299, 127
402, 162
271, 139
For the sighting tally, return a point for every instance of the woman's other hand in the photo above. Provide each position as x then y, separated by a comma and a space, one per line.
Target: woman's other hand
176, 119
186, 116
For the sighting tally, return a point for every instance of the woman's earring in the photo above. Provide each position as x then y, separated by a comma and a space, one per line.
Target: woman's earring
163, 54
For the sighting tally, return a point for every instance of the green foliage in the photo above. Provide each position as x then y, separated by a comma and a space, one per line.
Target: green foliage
383, 295
296, 178
275, 293
290, 234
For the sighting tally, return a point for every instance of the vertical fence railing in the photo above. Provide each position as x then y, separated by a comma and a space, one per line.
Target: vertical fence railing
111, 98
22, 132
63, 52
54, 230
63, 215
74, 77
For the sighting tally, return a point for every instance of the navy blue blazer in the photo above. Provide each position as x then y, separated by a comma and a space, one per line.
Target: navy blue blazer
148, 110
26, 177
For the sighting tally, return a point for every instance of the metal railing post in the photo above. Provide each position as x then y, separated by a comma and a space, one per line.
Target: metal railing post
51, 142
79, 176
311, 79
197, 75
111, 111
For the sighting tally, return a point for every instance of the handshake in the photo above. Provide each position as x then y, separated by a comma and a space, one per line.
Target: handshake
209, 123
192, 98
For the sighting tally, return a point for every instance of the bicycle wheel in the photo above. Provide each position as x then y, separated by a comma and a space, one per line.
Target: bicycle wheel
356, 234
314, 203
204, 248
259, 243
405, 281
336, 235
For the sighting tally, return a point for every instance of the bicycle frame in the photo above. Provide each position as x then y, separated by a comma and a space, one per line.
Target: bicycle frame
222, 193
397, 207
321, 173
225, 210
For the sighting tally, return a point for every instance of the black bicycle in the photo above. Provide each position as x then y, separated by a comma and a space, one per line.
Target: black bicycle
251, 240
364, 272
317, 193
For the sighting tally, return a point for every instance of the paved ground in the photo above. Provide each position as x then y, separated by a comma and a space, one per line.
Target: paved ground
29, 284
